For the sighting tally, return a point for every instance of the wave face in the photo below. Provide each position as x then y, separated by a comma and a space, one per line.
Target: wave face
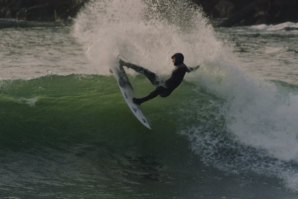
74, 135
80, 129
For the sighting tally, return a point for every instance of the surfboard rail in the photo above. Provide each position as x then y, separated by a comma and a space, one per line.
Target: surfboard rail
128, 93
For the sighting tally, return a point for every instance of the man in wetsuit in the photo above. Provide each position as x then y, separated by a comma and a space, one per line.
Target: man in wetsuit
165, 88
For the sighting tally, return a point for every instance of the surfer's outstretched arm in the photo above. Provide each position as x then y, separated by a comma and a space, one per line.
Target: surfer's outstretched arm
150, 75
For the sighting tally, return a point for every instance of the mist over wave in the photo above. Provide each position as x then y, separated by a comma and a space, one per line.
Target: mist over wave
144, 32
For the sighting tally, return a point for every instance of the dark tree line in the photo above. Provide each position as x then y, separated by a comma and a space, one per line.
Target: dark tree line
40, 10
232, 12
248, 12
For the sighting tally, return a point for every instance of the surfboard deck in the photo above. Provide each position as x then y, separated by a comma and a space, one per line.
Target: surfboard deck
128, 93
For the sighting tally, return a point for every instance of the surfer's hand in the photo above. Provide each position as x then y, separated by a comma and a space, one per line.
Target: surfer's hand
194, 68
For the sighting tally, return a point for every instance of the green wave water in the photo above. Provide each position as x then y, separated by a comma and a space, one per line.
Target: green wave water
73, 136
58, 107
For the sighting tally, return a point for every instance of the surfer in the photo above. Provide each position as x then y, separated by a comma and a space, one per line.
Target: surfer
163, 88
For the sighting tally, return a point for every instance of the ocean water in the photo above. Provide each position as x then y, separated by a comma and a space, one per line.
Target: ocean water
229, 131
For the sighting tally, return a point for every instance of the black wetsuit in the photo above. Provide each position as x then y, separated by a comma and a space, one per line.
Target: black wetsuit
163, 89
169, 85
176, 78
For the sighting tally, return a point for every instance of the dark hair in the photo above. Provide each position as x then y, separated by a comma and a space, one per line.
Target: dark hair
179, 58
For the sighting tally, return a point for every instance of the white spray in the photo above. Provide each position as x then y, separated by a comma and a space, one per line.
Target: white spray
137, 31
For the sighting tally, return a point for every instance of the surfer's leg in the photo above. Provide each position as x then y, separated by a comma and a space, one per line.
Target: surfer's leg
153, 78
152, 95
161, 91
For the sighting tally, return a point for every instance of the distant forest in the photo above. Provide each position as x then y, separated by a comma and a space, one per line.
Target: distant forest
40, 10
230, 12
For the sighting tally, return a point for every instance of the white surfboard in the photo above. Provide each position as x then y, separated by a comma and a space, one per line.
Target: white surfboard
127, 92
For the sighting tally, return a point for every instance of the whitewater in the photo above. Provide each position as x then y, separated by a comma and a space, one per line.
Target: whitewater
229, 131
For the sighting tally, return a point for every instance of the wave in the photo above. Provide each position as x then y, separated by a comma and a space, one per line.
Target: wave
54, 111
80, 104
12, 23
243, 125
286, 26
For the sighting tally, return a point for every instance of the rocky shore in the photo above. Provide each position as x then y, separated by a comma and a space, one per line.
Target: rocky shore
229, 12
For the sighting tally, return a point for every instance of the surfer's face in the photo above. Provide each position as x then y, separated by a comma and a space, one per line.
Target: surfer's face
174, 60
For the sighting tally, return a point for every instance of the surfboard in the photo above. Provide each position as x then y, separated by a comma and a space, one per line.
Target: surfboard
128, 93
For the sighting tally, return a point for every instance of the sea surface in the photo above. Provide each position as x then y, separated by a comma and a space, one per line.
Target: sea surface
230, 131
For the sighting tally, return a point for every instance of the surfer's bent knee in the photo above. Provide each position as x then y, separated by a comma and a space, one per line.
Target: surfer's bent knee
163, 92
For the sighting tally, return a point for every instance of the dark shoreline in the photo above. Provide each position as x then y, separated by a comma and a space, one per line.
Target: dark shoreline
228, 12
253, 12
40, 10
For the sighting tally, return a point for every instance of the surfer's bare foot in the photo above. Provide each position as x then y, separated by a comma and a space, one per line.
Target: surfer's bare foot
121, 62
137, 101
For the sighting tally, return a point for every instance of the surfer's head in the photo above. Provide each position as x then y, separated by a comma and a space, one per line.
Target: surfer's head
178, 59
